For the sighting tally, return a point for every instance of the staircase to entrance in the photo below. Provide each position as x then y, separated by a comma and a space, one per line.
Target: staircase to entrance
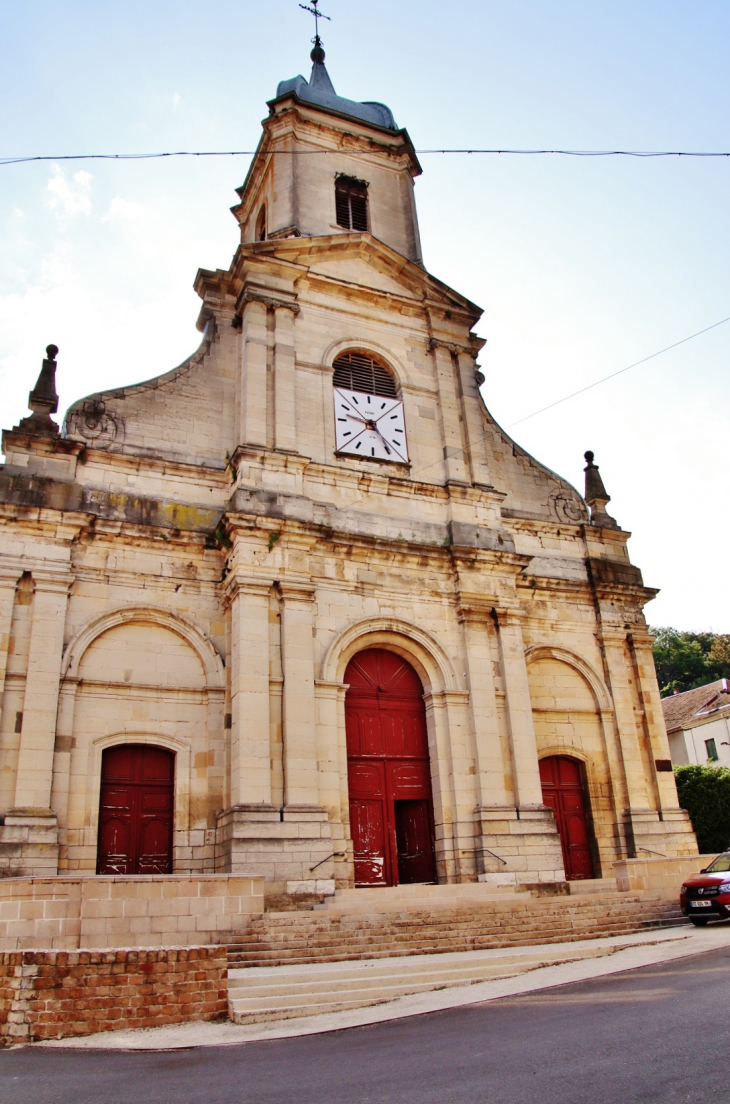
366, 946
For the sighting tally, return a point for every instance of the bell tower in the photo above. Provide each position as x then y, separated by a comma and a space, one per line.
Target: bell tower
328, 165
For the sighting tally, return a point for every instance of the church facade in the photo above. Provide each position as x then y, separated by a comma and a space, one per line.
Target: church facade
300, 607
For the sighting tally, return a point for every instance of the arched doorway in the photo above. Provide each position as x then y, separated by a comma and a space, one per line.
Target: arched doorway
391, 807
135, 810
562, 791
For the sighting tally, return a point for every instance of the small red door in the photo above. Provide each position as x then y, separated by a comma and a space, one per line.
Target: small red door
562, 791
135, 810
391, 808
413, 841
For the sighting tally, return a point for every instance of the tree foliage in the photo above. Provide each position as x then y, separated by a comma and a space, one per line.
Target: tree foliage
685, 660
705, 793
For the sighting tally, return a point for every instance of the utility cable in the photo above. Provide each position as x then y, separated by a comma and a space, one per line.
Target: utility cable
8, 160
613, 375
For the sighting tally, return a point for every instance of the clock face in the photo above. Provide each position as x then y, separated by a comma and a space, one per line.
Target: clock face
370, 426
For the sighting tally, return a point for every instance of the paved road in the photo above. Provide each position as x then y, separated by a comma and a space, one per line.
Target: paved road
655, 1034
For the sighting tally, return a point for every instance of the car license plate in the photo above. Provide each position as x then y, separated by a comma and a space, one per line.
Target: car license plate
700, 904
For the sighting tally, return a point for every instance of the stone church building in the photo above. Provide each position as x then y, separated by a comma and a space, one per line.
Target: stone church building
299, 607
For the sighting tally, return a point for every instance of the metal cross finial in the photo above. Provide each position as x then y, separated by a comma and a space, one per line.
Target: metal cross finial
317, 16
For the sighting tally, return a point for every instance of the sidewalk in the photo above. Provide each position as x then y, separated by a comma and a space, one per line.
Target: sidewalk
619, 953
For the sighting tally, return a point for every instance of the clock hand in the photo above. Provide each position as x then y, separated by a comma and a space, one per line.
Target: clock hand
389, 445
351, 414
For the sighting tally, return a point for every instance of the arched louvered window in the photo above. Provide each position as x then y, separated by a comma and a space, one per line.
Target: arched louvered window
351, 203
261, 225
360, 372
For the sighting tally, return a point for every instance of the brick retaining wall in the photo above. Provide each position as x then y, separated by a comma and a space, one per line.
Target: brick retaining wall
52, 994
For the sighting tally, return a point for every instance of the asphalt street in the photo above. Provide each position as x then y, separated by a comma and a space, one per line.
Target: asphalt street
655, 1034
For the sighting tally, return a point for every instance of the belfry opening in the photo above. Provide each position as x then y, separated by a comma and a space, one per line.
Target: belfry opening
389, 776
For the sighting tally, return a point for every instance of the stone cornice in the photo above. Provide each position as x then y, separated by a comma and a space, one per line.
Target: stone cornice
296, 591
456, 348
51, 582
237, 585
271, 302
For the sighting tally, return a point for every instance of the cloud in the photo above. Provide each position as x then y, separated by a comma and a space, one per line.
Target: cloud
68, 198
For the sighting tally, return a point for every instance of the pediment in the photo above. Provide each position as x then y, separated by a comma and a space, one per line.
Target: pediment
362, 261
363, 272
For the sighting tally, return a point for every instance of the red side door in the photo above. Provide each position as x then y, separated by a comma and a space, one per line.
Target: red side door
136, 810
562, 791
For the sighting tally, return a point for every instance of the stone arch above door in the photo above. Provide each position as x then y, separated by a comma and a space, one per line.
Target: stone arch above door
212, 665
562, 655
572, 717
417, 646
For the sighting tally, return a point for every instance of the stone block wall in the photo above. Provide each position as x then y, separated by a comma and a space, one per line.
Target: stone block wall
54, 994
67, 913
659, 876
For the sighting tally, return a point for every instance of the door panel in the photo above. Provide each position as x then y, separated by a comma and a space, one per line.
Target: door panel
562, 791
366, 779
414, 841
367, 824
136, 810
409, 780
387, 747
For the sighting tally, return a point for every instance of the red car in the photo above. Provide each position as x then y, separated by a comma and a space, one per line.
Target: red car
707, 895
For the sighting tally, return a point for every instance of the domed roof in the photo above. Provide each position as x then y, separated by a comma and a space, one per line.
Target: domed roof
319, 92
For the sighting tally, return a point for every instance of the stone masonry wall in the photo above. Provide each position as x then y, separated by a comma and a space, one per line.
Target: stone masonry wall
159, 910
54, 994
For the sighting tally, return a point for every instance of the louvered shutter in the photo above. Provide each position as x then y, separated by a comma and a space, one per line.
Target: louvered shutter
359, 372
351, 204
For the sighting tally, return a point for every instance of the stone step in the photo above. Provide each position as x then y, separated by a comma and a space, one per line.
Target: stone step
447, 922
592, 885
469, 925
336, 953
452, 969
480, 928
444, 918
414, 896
283, 992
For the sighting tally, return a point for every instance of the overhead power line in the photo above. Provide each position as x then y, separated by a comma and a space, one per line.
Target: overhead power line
620, 372
8, 160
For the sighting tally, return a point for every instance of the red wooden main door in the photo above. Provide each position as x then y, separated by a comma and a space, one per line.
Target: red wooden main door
135, 811
391, 808
562, 791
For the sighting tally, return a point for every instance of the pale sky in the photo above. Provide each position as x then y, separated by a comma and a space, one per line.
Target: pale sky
582, 266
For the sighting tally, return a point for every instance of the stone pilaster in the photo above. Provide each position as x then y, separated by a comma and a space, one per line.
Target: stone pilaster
490, 770
30, 831
526, 772
641, 817
675, 828
454, 458
299, 719
253, 836
524, 837
302, 809
253, 386
250, 753
8, 582
285, 429
477, 448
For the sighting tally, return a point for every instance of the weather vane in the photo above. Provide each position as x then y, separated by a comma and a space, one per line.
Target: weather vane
317, 16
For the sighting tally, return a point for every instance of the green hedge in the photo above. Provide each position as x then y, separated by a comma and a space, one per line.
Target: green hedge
705, 793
